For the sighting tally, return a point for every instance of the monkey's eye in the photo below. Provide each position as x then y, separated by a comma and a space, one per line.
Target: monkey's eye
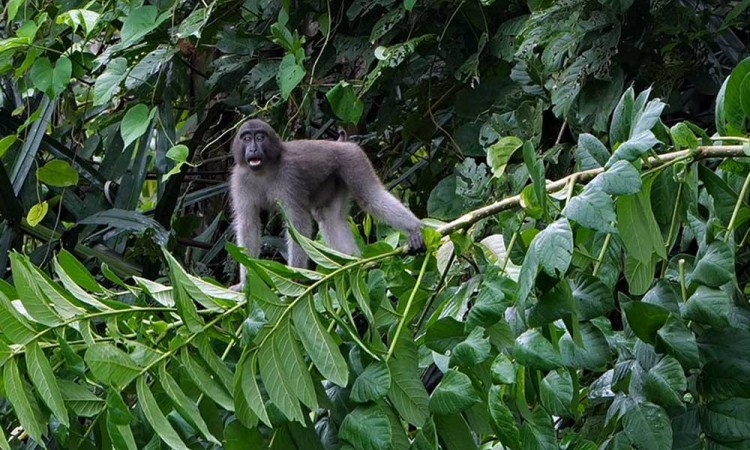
247, 138
260, 137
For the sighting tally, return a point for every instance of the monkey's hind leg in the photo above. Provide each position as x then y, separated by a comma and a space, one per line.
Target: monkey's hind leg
303, 223
335, 228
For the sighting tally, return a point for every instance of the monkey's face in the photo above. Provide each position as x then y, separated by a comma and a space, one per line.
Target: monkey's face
255, 147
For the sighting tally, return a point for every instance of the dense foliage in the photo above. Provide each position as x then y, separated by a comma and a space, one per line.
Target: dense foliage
604, 309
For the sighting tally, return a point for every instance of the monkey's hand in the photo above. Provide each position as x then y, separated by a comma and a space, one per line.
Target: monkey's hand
415, 242
239, 287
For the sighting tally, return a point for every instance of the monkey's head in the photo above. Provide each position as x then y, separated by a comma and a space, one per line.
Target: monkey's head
256, 145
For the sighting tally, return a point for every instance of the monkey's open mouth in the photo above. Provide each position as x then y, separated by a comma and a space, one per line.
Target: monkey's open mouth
254, 162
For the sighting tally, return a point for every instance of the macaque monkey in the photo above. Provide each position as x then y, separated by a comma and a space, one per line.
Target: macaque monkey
313, 180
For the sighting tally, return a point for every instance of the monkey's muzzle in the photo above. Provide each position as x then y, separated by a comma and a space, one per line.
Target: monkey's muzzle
254, 162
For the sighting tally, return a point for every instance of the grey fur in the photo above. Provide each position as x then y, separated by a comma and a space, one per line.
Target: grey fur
313, 180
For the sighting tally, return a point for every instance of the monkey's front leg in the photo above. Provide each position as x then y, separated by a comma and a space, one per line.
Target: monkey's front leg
247, 228
302, 221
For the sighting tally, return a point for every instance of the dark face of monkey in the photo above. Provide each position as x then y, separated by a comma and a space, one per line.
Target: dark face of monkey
256, 145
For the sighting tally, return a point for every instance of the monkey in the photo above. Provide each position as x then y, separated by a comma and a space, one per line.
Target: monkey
313, 180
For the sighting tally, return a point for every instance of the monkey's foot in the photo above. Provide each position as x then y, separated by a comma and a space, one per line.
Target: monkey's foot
415, 242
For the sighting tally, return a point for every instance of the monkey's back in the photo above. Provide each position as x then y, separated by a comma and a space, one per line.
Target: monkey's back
324, 168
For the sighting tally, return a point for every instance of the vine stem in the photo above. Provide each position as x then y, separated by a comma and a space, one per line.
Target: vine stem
740, 200
602, 252
190, 338
21, 348
403, 320
683, 287
705, 152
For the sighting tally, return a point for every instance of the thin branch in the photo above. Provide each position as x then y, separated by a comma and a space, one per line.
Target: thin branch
708, 152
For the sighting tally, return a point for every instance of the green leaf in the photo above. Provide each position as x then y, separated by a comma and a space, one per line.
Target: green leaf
554, 247
274, 371
4, 445
13, 325
645, 319
454, 394
499, 153
120, 435
590, 153
592, 209
556, 393
454, 433
184, 404
727, 420
156, 418
622, 178
638, 228
111, 365
503, 371
715, 267
139, 23
734, 113
12, 10
426, 437
408, 395
683, 136
665, 383
535, 351
41, 75
679, 341
178, 153
367, 428
289, 353
57, 173
36, 213
708, 306
193, 24
373, 383
77, 271
250, 389
289, 76
79, 18
6, 142
592, 297
43, 379
206, 382
648, 427
24, 404
633, 148
538, 433
80, 399
344, 102
444, 334
593, 354
237, 437
474, 350
37, 305
503, 421
409, 4
135, 123
108, 82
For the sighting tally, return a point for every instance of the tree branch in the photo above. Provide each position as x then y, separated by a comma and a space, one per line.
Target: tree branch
707, 152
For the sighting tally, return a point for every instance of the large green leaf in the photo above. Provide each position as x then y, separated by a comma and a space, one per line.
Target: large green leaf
648, 427
289, 76
24, 404
184, 404
367, 428
344, 102
111, 365
156, 418
503, 421
373, 383
43, 379
532, 349
454, 394
407, 393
